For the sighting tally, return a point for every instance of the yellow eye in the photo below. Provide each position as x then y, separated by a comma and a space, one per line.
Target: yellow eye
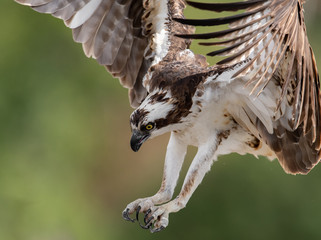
149, 126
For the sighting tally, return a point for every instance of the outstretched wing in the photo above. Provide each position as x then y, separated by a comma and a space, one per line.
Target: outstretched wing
270, 36
126, 36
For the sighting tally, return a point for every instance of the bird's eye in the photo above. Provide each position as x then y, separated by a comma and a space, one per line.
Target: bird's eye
149, 126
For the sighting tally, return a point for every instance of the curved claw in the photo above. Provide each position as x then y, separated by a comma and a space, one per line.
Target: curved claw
157, 229
148, 223
147, 226
146, 215
137, 213
126, 216
149, 220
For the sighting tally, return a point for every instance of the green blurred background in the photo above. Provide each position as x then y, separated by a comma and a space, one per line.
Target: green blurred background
66, 168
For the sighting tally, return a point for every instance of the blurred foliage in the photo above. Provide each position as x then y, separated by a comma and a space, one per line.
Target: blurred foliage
67, 170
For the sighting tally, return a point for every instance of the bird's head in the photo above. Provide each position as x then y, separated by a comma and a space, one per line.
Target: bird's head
168, 106
158, 113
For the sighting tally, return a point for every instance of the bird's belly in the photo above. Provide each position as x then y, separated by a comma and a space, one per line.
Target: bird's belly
242, 142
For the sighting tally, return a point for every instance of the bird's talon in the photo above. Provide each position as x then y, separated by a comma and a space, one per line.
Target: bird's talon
146, 215
147, 226
126, 216
149, 220
155, 218
137, 213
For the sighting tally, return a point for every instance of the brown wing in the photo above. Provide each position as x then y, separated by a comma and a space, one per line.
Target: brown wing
121, 34
270, 35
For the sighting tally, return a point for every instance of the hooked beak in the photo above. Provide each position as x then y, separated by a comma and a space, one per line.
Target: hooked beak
138, 138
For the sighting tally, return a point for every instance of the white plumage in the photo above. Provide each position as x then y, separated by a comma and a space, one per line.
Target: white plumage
263, 98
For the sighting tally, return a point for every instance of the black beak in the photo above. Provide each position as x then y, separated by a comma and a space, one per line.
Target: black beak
138, 138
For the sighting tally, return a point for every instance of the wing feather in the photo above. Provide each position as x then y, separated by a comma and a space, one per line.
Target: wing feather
270, 35
110, 24
119, 33
53, 6
89, 29
34, 2
70, 9
123, 53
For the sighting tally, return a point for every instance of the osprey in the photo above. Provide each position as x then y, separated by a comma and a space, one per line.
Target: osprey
263, 98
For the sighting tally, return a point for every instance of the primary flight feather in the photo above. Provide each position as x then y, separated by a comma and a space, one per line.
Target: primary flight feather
263, 98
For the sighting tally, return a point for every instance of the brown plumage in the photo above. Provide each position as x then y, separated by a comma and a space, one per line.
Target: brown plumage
121, 35
291, 64
263, 98
118, 33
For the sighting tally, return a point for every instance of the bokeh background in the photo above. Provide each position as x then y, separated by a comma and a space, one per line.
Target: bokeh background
66, 168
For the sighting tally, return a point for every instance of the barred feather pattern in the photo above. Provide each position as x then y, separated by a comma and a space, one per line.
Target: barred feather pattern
125, 36
270, 36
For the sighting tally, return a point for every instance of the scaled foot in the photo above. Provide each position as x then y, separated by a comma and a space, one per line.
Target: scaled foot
156, 218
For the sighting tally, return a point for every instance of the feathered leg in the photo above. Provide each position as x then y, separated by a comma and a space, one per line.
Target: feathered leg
176, 151
158, 215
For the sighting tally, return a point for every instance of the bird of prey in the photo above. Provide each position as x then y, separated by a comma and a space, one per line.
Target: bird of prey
263, 98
